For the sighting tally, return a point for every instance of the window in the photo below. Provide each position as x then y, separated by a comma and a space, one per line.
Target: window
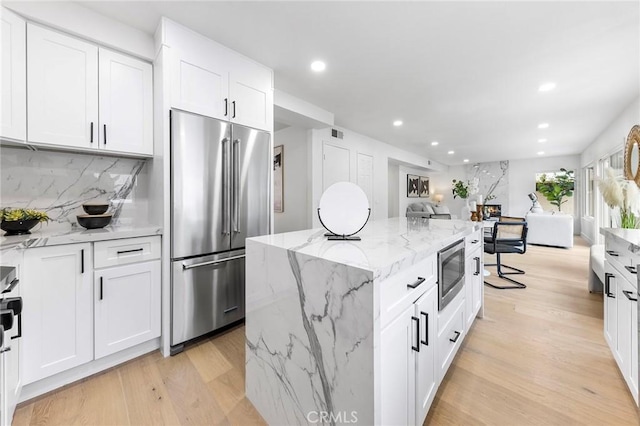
589, 198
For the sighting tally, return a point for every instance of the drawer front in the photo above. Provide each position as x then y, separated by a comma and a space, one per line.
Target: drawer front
472, 241
450, 338
402, 289
617, 254
124, 251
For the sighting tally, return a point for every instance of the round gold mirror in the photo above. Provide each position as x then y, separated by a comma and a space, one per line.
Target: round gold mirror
632, 155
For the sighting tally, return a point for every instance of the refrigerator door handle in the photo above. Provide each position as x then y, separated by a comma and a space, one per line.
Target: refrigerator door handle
226, 173
211, 262
236, 185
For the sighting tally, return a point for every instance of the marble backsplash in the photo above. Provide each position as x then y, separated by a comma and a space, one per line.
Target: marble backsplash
60, 182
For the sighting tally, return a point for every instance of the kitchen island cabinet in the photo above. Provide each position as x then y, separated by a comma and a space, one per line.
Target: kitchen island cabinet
350, 332
622, 258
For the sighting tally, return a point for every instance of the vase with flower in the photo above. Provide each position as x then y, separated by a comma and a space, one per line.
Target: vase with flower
623, 195
464, 190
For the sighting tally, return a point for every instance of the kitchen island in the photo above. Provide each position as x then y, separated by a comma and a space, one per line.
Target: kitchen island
350, 332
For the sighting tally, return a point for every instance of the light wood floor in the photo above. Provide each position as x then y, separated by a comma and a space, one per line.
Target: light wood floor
537, 358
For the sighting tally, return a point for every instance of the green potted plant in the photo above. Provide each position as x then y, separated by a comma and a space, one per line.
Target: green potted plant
20, 221
557, 188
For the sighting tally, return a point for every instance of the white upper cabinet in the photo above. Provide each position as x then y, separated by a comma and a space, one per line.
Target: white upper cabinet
62, 73
209, 79
70, 107
126, 111
13, 89
251, 94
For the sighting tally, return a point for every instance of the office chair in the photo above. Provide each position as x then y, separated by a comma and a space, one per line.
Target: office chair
507, 236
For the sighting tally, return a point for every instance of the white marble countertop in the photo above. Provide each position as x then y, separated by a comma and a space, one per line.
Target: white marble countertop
387, 245
44, 237
630, 236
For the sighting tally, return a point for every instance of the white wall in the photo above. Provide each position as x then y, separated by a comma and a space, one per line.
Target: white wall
611, 139
296, 214
381, 152
522, 181
394, 191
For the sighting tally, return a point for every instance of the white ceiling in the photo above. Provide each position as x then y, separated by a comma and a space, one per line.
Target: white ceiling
463, 73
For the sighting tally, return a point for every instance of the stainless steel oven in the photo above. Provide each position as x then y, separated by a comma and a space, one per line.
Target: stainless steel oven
450, 273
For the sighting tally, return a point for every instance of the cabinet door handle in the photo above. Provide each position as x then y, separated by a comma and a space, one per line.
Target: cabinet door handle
91, 141
234, 109
101, 294
455, 339
129, 251
82, 261
475, 241
426, 328
419, 281
607, 284
477, 272
105, 133
631, 269
628, 294
417, 346
612, 253
226, 106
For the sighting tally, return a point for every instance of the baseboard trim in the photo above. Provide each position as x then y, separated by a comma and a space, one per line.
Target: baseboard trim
48, 384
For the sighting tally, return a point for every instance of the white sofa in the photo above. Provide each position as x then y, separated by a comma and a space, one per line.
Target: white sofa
550, 229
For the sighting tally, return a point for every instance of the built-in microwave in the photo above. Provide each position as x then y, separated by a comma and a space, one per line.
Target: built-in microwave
450, 273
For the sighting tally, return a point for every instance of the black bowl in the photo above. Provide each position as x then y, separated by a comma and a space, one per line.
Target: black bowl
94, 221
95, 208
18, 227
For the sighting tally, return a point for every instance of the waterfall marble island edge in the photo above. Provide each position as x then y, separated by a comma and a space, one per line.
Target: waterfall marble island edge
318, 310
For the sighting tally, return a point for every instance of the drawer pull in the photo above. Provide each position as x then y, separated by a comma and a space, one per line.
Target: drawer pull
226, 311
607, 285
628, 294
129, 251
631, 269
455, 339
612, 253
419, 281
417, 346
475, 241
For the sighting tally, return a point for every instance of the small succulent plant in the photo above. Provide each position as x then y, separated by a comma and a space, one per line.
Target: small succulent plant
9, 214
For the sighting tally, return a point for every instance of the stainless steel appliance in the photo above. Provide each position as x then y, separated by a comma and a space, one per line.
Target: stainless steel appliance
220, 180
450, 273
10, 333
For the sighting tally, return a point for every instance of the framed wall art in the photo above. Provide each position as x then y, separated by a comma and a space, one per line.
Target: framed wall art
278, 179
423, 189
413, 186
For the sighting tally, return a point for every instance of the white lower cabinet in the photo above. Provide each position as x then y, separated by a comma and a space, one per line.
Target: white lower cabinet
58, 309
127, 306
408, 359
473, 285
74, 314
621, 310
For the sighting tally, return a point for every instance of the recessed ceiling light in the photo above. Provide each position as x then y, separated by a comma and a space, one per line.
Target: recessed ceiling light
318, 66
542, 140
466, 160
540, 152
397, 123
434, 143
543, 125
451, 152
546, 87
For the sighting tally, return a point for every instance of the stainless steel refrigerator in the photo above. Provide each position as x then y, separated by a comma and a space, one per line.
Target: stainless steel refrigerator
220, 179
